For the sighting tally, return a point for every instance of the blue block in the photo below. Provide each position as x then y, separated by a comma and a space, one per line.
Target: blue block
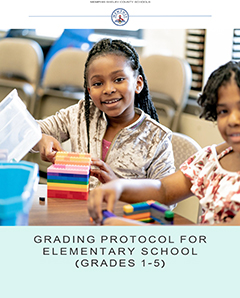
107, 214
82, 178
159, 207
138, 207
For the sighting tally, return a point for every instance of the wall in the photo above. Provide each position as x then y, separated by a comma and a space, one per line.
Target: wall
203, 131
165, 42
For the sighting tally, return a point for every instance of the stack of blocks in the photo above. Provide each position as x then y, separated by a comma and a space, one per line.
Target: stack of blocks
149, 211
68, 178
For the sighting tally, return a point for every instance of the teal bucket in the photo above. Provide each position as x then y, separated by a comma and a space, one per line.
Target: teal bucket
18, 183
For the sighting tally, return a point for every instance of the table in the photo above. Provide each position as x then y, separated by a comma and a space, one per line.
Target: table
67, 212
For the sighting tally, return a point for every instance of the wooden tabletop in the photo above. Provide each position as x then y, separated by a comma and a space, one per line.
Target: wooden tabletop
67, 212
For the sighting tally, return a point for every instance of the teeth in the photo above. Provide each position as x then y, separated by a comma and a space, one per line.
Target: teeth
111, 101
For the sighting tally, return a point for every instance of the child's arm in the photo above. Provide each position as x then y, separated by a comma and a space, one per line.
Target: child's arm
236, 220
169, 190
48, 146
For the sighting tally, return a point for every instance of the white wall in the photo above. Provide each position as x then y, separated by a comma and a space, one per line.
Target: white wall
203, 131
170, 42
218, 49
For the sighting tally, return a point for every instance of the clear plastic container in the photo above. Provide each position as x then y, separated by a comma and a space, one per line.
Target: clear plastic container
19, 182
19, 131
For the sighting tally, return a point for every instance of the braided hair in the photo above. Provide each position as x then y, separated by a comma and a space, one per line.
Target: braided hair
209, 97
121, 48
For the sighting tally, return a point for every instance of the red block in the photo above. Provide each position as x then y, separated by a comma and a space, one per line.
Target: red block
76, 195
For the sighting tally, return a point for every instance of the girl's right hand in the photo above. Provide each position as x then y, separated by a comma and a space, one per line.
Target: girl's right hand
48, 147
109, 193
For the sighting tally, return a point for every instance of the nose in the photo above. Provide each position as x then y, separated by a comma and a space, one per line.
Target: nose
234, 118
109, 88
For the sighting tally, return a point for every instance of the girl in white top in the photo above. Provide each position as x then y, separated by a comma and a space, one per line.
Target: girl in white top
213, 174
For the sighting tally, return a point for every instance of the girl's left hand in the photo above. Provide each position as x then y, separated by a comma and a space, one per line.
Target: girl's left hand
104, 173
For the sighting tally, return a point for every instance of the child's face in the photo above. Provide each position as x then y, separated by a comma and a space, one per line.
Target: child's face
112, 85
228, 114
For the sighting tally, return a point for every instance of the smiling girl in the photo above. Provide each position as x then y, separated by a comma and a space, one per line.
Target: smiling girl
116, 121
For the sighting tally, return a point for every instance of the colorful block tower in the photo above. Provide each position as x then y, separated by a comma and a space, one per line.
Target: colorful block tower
149, 211
68, 178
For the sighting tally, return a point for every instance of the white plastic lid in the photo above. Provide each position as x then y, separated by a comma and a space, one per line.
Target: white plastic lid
19, 131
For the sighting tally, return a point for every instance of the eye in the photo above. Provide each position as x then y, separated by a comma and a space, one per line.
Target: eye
222, 111
118, 80
96, 84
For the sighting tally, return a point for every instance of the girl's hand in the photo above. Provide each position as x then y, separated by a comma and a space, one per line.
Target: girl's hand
109, 193
48, 147
104, 173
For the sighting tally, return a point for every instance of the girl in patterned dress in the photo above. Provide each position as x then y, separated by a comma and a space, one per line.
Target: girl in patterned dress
212, 174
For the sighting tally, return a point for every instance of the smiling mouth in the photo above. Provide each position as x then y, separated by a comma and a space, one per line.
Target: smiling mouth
235, 135
111, 101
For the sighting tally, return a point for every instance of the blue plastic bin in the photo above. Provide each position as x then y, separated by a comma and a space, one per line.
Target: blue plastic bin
18, 183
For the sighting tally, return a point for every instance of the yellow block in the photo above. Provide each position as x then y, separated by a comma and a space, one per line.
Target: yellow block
67, 186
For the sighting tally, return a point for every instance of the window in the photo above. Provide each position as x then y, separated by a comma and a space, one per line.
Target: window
195, 56
236, 45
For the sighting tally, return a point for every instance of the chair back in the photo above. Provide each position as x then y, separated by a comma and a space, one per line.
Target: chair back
21, 62
62, 83
66, 69
183, 148
169, 79
22, 58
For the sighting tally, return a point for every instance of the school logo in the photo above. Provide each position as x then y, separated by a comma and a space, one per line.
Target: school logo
120, 17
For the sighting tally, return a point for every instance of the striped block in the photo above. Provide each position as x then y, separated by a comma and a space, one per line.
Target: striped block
131, 208
149, 209
69, 177
138, 216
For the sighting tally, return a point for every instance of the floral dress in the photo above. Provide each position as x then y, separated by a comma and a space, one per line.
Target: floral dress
217, 189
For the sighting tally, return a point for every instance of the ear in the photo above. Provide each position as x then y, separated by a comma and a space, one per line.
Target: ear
139, 84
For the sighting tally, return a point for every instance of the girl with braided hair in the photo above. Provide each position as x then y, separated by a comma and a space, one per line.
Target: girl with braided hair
212, 174
116, 121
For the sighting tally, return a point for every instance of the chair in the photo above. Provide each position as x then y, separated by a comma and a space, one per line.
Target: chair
169, 80
62, 83
21, 62
183, 148
77, 38
62, 86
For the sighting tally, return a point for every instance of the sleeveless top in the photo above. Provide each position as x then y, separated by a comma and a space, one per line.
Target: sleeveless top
217, 189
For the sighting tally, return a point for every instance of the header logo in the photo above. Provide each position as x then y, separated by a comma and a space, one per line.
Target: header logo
120, 17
